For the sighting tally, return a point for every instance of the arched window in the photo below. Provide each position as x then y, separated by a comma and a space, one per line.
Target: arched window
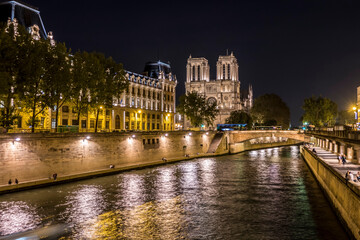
228, 69
117, 122
198, 73
193, 73
223, 71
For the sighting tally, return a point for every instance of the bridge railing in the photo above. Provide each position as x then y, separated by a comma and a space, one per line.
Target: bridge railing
349, 134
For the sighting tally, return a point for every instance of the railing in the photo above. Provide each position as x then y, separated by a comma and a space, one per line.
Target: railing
349, 134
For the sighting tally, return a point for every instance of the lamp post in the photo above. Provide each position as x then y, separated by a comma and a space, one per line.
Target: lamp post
356, 116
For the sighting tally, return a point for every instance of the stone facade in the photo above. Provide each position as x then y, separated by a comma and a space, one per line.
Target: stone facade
224, 90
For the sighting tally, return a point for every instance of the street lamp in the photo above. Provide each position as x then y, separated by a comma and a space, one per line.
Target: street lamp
356, 116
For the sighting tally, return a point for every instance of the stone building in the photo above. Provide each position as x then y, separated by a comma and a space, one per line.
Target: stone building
224, 90
147, 105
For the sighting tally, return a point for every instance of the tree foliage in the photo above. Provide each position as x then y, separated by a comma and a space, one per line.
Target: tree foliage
240, 117
270, 109
319, 111
197, 109
36, 75
9, 70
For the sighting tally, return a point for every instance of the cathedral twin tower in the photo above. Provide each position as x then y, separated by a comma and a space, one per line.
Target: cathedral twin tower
198, 69
224, 90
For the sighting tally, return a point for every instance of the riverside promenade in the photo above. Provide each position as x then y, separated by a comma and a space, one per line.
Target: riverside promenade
332, 160
344, 195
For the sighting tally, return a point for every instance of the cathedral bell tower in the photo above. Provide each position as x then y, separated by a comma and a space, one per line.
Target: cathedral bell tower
227, 68
197, 69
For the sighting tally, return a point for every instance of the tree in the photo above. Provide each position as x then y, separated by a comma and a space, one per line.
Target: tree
85, 72
9, 68
240, 117
319, 111
197, 109
110, 85
57, 81
31, 81
270, 109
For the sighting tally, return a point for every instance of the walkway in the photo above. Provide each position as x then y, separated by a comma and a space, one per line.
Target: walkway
332, 160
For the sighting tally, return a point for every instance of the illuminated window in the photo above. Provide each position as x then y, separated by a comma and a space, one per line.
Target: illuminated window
83, 123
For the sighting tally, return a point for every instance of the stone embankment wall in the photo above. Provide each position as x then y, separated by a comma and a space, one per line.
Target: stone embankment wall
30, 157
344, 196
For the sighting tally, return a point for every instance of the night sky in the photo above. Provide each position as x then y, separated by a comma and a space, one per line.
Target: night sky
292, 48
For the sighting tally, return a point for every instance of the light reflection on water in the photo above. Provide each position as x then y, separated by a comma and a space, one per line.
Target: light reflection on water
263, 194
17, 216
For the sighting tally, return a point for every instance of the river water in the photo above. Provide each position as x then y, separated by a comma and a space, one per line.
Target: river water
263, 194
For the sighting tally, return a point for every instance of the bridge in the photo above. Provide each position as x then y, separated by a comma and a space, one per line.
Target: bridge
266, 135
248, 140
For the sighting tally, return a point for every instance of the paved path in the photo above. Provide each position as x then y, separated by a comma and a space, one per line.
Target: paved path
332, 160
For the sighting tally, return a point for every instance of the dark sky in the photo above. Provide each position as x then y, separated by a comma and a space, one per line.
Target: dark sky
292, 48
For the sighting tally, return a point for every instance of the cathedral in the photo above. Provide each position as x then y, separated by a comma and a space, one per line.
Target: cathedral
224, 90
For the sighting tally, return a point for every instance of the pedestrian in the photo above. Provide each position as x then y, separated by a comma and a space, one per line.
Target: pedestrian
55, 176
314, 151
347, 176
339, 159
16, 181
358, 176
343, 159
9, 182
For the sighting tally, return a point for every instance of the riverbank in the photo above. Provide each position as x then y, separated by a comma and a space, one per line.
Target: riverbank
45, 182
343, 195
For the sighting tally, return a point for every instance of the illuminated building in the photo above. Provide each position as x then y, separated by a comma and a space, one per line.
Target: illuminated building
224, 90
147, 105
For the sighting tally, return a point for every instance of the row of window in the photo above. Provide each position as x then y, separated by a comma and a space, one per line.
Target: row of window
149, 82
149, 95
66, 109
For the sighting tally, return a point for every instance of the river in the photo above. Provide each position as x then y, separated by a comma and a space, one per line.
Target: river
262, 194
